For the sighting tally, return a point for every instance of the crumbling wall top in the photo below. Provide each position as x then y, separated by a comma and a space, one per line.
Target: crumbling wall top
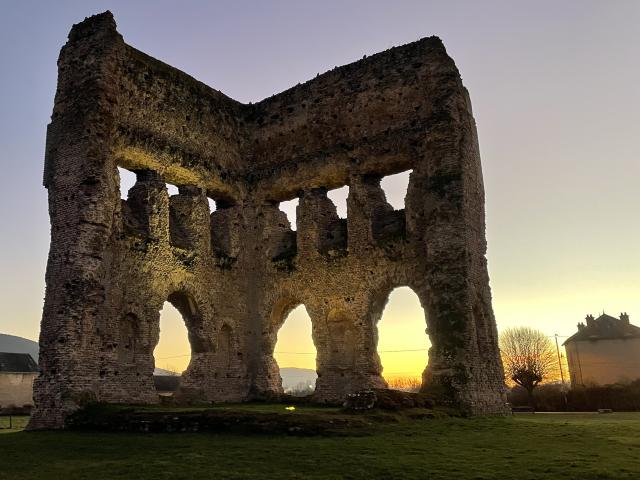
369, 116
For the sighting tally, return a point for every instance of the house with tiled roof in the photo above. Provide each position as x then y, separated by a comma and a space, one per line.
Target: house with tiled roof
603, 351
17, 373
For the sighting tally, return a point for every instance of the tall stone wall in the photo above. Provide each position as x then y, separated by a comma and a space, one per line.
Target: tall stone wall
235, 274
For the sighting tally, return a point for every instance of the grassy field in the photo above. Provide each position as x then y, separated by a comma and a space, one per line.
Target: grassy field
549, 446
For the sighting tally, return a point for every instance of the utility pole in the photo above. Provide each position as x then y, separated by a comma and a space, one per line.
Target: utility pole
559, 360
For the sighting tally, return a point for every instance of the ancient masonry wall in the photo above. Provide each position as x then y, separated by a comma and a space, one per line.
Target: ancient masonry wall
234, 274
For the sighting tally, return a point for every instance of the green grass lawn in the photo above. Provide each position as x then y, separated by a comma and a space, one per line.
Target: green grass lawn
567, 446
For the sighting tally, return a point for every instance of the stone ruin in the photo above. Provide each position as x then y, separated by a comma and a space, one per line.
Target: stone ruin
236, 273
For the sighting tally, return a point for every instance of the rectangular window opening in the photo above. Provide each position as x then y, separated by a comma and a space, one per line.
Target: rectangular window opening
339, 198
172, 189
289, 208
395, 188
127, 181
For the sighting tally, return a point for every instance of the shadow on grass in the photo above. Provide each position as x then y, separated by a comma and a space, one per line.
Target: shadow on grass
533, 447
245, 418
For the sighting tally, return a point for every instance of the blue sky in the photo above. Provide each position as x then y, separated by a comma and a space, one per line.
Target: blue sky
556, 94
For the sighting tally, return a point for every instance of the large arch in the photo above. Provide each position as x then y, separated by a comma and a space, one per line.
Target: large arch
172, 352
296, 352
197, 379
379, 300
186, 304
270, 383
403, 340
351, 126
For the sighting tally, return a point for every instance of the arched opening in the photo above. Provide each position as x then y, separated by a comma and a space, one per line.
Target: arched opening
173, 350
295, 353
403, 344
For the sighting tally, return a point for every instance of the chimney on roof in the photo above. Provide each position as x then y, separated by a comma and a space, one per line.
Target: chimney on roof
624, 318
580, 326
589, 319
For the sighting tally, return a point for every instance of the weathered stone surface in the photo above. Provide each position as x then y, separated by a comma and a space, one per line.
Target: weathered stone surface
235, 274
295, 423
386, 399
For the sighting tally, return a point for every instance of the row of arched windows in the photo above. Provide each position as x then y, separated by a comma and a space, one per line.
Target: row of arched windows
402, 343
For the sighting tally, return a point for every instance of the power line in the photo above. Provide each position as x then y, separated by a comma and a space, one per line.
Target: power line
314, 353
175, 356
379, 351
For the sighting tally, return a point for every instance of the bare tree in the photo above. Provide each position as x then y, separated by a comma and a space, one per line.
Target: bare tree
405, 384
529, 358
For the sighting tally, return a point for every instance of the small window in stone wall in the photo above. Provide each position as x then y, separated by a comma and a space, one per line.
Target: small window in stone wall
172, 189
178, 223
395, 188
289, 208
390, 225
339, 198
223, 223
283, 243
127, 181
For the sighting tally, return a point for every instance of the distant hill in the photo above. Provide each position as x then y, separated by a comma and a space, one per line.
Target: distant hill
13, 344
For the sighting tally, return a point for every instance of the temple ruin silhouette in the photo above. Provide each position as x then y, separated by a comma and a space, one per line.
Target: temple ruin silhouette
235, 273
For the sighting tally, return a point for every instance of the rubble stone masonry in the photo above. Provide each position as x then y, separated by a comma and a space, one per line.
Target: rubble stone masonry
236, 273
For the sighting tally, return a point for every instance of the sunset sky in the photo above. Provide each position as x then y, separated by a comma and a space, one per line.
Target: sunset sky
556, 93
